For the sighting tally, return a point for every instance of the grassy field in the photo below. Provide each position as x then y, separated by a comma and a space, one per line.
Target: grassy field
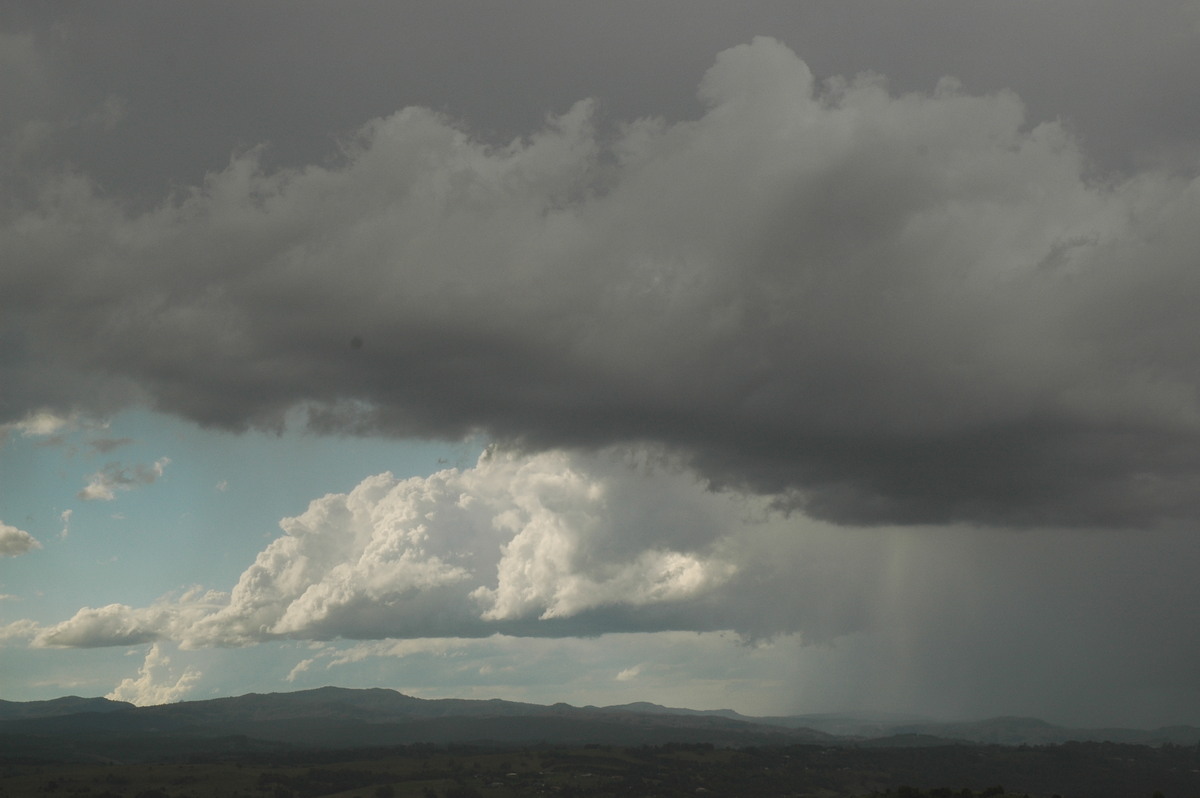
670, 771
420, 775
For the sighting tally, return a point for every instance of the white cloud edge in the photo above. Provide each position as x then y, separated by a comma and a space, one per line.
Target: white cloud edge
157, 682
104, 484
516, 539
14, 542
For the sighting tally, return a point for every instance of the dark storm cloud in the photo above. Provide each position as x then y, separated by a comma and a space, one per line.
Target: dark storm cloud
187, 83
880, 306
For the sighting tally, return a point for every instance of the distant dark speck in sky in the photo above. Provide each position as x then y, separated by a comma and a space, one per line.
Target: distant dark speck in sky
356, 342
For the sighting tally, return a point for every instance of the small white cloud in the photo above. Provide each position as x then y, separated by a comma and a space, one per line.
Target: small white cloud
53, 429
65, 517
156, 682
433, 646
42, 423
14, 542
104, 484
629, 674
91, 627
98, 489
300, 668
223, 485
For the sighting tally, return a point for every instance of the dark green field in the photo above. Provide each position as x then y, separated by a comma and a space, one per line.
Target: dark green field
1095, 770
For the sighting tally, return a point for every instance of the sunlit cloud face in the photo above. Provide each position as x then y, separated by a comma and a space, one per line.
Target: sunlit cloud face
14, 542
553, 544
548, 544
156, 683
113, 625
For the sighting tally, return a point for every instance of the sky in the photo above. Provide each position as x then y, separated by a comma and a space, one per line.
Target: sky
775, 356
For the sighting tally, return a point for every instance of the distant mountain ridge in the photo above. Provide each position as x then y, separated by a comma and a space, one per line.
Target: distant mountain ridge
67, 705
334, 717
1005, 730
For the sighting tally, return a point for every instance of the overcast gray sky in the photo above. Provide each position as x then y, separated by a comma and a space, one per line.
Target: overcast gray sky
896, 297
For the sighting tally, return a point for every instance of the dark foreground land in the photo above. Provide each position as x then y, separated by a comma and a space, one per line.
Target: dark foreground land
1070, 770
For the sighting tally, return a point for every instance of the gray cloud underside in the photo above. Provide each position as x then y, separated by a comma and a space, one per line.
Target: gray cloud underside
876, 308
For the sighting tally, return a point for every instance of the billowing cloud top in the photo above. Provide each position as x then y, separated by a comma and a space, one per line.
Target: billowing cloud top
551, 544
14, 542
878, 308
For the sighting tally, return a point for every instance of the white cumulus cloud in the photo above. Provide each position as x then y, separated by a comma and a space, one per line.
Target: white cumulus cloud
111, 625
14, 542
123, 625
156, 682
544, 544
22, 630
514, 539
